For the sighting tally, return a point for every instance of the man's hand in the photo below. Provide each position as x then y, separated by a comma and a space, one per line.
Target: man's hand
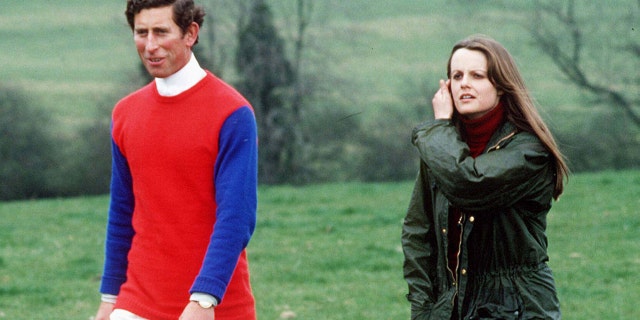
104, 311
193, 311
442, 102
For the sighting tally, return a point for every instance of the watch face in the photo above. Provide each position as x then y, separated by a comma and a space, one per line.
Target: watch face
205, 305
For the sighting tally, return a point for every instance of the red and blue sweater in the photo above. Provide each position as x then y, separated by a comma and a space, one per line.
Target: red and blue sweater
183, 201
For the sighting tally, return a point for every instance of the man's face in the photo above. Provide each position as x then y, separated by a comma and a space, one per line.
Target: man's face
162, 46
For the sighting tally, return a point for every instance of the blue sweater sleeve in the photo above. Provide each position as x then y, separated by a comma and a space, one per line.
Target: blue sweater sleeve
236, 172
119, 227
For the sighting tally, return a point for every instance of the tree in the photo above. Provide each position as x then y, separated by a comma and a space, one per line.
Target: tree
595, 46
27, 149
560, 33
266, 80
296, 151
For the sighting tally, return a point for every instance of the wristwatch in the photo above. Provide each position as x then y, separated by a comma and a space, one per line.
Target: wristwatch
204, 300
205, 304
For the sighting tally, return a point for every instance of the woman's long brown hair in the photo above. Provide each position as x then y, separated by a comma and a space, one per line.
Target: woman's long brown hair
520, 108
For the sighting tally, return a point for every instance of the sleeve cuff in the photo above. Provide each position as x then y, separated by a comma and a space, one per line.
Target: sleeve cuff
110, 298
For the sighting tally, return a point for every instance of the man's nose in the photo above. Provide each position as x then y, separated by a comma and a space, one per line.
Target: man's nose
152, 43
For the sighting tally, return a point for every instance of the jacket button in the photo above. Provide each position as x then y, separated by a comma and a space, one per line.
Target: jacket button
444, 231
472, 218
463, 272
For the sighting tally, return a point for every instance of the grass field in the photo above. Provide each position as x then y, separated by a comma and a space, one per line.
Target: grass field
327, 252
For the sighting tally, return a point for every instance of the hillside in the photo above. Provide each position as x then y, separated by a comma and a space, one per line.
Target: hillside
71, 54
375, 63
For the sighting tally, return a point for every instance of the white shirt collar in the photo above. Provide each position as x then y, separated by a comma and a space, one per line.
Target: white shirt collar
182, 80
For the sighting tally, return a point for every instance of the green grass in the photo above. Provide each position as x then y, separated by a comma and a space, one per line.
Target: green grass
595, 246
49, 252
327, 251
330, 251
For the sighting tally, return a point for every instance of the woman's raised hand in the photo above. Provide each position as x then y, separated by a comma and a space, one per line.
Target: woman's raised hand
442, 101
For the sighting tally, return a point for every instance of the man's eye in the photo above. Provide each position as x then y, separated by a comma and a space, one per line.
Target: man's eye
457, 76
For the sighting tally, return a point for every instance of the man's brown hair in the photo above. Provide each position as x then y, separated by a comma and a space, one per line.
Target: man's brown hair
185, 12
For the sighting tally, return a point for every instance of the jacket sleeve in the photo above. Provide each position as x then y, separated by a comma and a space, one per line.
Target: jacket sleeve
420, 249
498, 178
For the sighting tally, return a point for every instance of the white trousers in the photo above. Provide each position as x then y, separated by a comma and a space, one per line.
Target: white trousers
119, 314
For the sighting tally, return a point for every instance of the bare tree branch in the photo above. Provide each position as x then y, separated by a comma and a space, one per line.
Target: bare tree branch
569, 61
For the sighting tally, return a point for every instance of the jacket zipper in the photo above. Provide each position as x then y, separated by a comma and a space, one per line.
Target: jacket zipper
455, 275
497, 145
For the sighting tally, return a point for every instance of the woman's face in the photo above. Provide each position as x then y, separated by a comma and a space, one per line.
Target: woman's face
473, 94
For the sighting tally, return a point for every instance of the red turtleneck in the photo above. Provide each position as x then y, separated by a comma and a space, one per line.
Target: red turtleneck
477, 133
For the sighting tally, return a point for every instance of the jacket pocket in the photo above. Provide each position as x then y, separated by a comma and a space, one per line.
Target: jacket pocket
504, 303
420, 306
423, 310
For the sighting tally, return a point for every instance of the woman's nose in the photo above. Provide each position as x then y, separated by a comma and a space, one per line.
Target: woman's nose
464, 82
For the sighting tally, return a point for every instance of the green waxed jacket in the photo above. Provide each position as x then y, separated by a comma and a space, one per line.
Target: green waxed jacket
504, 196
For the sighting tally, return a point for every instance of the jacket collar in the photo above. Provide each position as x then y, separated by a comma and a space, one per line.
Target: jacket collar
502, 136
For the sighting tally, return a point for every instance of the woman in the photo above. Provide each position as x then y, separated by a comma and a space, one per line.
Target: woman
474, 235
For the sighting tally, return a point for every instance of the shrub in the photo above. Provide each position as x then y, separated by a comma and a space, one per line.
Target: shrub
606, 141
26, 147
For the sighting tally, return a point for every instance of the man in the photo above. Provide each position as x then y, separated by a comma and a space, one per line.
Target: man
184, 180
